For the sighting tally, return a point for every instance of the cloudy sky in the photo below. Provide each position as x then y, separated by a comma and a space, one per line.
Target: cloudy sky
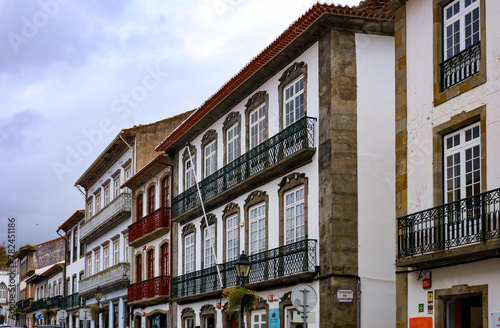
68, 67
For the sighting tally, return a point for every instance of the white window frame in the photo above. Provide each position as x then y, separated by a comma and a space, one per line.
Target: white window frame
98, 202
107, 196
105, 258
89, 266
90, 208
126, 251
232, 237
3, 290
459, 13
189, 169
189, 249
116, 186
294, 215
291, 96
209, 246
462, 163
97, 262
210, 152
257, 228
259, 319
233, 142
258, 125
116, 252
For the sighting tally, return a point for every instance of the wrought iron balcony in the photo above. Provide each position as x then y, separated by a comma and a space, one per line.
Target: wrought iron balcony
53, 302
471, 220
70, 301
38, 305
107, 218
149, 227
267, 266
461, 66
115, 277
148, 289
288, 144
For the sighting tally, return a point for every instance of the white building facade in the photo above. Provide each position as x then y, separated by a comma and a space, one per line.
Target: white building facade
294, 159
447, 180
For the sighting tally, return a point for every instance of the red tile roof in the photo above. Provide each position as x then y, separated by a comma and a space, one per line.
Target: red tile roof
368, 9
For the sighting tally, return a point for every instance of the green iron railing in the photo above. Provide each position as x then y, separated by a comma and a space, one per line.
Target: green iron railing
291, 140
38, 305
70, 301
467, 221
283, 261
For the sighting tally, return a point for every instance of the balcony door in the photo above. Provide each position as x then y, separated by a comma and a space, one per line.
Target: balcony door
165, 192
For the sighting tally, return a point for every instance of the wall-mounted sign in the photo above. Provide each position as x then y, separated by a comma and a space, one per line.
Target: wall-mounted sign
345, 295
421, 308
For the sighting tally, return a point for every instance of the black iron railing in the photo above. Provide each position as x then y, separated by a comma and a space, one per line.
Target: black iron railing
70, 301
283, 261
461, 66
291, 140
467, 221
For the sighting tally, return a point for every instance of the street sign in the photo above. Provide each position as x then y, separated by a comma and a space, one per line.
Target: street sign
345, 295
39, 315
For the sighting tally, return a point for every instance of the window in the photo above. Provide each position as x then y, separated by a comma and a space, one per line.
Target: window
90, 209
233, 142
138, 267
294, 101
139, 209
232, 239
151, 264
210, 158
462, 161
3, 290
97, 202
126, 248
116, 252
258, 126
60, 288
89, 266
165, 192
97, 266
107, 196
116, 187
164, 260
82, 249
74, 285
257, 228
189, 253
105, 258
128, 172
189, 169
259, 319
461, 26
50, 291
209, 240
151, 200
294, 215
189, 323
75, 244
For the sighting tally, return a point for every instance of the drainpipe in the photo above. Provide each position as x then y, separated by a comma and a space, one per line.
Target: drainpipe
65, 292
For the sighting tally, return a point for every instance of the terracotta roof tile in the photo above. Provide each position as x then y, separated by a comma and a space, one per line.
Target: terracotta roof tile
371, 9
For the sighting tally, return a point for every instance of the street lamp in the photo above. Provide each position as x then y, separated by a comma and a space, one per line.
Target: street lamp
243, 265
98, 296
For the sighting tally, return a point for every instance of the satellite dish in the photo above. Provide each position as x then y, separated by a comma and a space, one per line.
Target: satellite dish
304, 298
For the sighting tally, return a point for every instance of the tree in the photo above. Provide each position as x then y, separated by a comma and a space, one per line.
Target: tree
3, 255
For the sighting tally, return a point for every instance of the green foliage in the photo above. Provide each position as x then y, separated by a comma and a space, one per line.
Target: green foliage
3, 255
94, 311
235, 295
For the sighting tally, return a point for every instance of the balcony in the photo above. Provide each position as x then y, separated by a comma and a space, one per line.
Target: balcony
38, 305
113, 278
285, 151
107, 218
460, 231
460, 67
24, 305
274, 267
149, 292
70, 301
47, 303
150, 227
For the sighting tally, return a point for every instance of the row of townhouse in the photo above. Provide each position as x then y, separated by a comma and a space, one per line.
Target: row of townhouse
355, 154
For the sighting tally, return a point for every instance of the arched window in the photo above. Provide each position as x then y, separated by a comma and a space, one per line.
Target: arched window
151, 200
165, 192
138, 267
3, 290
151, 264
164, 260
139, 212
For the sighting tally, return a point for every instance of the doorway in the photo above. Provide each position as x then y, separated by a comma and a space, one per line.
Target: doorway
463, 312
